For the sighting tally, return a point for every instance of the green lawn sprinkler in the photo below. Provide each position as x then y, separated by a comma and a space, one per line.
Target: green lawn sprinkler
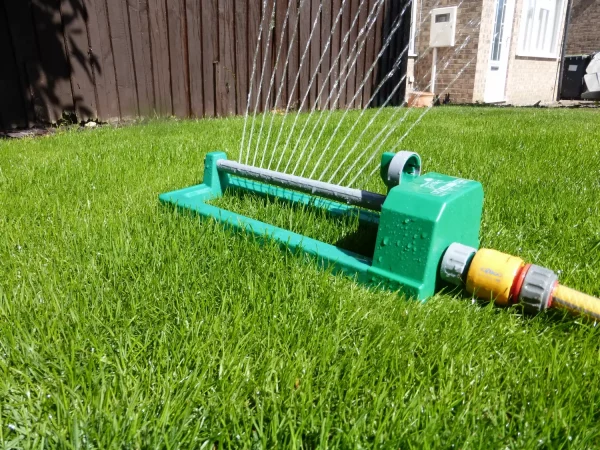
419, 218
427, 232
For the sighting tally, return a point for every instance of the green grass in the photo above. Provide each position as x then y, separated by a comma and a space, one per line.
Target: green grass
126, 325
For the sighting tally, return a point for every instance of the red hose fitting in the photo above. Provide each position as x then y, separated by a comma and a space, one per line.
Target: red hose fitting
518, 283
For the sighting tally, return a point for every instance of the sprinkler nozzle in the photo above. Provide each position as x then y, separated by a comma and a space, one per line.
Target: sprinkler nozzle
398, 167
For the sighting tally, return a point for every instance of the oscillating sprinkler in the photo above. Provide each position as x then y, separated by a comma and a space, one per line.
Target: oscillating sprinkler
427, 231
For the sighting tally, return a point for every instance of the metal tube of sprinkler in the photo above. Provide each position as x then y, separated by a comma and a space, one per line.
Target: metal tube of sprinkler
356, 197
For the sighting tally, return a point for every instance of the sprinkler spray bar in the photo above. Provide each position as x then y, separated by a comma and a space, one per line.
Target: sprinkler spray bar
356, 197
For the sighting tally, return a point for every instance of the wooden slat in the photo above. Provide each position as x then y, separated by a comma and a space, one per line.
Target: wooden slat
243, 61
386, 63
363, 45
335, 53
142, 55
354, 45
194, 36
267, 44
283, 27
74, 18
102, 60
370, 55
254, 56
305, 44
160, 57
315, 52
226, 89
345, 47
396, 7
326, 40
403, 42
376, 76
53, 59
12, 108
123, 57
399, 42
291, 97
210, 52
178, 52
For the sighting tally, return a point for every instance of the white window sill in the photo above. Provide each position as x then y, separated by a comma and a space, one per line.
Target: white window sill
537, 55
412, 55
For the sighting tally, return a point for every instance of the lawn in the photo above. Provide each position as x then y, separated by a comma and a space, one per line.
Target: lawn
124, 324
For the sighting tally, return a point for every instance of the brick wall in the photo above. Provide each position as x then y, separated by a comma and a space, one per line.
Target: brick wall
584, 28
450, 62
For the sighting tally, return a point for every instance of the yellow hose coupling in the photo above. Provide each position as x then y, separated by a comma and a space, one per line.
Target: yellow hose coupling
507, 280
491, 275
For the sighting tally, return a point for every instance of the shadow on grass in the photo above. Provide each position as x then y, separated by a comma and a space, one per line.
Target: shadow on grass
344, 230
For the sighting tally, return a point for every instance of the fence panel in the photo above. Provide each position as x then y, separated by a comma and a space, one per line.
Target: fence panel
113, 59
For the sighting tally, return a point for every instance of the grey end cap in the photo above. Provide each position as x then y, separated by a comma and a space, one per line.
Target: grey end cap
538, 285
455, 263
403, 162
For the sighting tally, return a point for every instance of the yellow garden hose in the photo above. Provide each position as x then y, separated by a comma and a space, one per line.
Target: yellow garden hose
576, 302
507, 280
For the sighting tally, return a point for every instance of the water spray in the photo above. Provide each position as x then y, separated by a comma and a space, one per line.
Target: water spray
427, 232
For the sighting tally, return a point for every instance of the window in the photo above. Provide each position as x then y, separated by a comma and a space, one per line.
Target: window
540, 28
413, 28
498, 30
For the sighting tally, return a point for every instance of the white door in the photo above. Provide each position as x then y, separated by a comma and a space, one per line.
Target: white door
495, 81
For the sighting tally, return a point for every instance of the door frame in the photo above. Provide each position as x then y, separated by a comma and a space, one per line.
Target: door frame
495, 83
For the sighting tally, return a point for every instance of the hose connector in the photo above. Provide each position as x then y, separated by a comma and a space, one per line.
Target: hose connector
456, 262
536, 292
507, 280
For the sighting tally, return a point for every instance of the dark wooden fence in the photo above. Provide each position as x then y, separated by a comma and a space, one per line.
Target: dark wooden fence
110, 59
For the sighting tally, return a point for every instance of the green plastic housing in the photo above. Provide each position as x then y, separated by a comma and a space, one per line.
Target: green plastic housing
419, 219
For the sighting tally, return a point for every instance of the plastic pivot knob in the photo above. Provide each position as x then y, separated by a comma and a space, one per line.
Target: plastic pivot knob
455, 263
403, 165
537, 288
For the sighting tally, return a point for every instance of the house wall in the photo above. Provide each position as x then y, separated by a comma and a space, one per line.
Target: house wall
450, 61
584, 28
410, 75
531, 80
